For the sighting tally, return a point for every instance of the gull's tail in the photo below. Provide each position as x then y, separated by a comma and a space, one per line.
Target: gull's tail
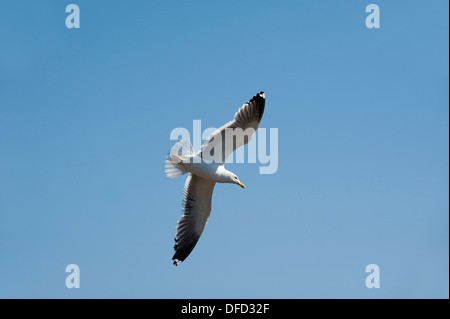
179, 155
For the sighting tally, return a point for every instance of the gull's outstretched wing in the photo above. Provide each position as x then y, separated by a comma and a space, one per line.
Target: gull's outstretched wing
240, 129
196, 208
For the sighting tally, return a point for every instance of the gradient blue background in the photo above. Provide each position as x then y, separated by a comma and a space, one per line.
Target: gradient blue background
363, 120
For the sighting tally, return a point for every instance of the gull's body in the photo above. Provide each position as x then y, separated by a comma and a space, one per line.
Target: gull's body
207, 168
211, 171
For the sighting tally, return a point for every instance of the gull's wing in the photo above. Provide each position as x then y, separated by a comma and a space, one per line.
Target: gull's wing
243, 126
196, 208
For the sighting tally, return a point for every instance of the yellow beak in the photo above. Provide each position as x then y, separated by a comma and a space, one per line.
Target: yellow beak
240, 184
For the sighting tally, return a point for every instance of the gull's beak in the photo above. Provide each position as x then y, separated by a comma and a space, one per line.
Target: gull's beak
240, 184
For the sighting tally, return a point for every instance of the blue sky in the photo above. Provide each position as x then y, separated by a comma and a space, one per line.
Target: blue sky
362, 116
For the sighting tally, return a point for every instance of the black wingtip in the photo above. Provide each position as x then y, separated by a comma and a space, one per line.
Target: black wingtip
259, 96
181, 253
260, 100
176, 262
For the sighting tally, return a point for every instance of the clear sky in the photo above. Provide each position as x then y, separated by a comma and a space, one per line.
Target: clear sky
363, 124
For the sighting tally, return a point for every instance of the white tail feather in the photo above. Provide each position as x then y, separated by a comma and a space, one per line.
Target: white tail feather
179, 153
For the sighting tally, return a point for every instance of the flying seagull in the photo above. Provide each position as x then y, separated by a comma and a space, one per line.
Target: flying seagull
206, 168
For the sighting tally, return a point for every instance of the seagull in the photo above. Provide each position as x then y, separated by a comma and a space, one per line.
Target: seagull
206, 168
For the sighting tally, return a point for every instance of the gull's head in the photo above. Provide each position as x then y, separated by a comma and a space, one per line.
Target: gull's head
225, 176
235, 180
